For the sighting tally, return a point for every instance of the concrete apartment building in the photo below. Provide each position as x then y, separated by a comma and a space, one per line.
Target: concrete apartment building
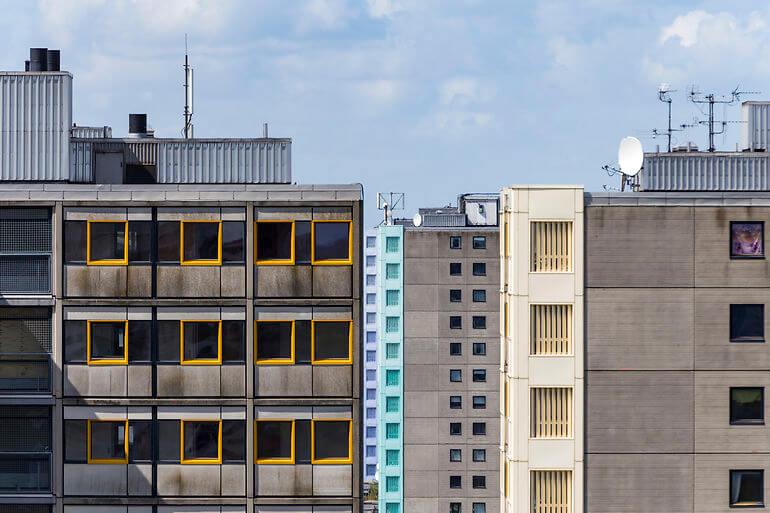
179, 323
446, 347
369, 344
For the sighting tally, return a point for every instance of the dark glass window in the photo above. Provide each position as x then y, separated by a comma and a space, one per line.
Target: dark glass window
234, 341
75, 441
455, 322
479, 428
479, 322
479, 348
140, 440
455, 482
108, 241
232, 241
455, 269
479, 375
275, 241
455, 455
331, 241
479, 481
479, 269
168, 440
455, 242
233, 441
201, 241
302, 441
331, 341
139, 341
455, 402
747, 239
302, 342
479, 402
455, 507
74, 241
455, 375
168, 241
332, 440
302, 243
479, 507
274, 440
479, 455
479, 242
108, 441
108, 340
455, 348
455, 428
139, 241
747, 405
75, 341
201, 340
747, 488
479, 296
201, 440
168, 341
747, 323
274, 341
455, 295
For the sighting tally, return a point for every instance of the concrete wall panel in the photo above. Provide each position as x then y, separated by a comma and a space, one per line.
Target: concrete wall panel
234, 480
95, 281
283, 480
139, 380
96, 380
188, 381
189, 281
189, 480
233, 281
332, 480
332, 380
712, 479
283, 281
139, 280
88, 480
233, 380
332, 281
139, 479
283, 380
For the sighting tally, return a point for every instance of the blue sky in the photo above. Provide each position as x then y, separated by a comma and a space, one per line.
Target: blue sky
427, 97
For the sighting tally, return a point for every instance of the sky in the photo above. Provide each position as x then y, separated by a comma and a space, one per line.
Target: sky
431, 98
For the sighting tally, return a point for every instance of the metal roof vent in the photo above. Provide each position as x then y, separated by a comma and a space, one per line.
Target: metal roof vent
137, 127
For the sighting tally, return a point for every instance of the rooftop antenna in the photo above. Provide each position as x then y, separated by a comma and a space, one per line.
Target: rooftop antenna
665, 97
388, 202
711, 99
188, 131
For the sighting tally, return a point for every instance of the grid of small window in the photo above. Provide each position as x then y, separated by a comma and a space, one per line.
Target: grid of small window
392, 271
551, 412
551, 491
550, 330
391, 430
371, 299
25, 230
551, 246
391, 484
392, 324
392, 377
392, 404
391, 457
371, 242
25, 330
371, 280
25, 273
391, 351
392, 297
371, 260
391, 244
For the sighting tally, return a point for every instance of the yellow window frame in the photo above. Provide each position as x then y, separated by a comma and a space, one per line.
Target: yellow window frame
275, 361
274, 461
331, 461
347, 261
200, 361
290, 261
121, 361
112, 261
217, 261
107, 461
348, 360
200, 461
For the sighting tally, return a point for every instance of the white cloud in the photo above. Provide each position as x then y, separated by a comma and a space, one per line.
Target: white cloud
384, 8
380, 91
461, 91
324, 15
686, 28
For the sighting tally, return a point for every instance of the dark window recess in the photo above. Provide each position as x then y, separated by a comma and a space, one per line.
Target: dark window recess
233, 441
479, 507
140, 441
302, 442
233, 235
455, 242
747, 323
332, 241
139, 341
455, 295
168, 441
455, 455
201, 340
332, 440
108, 440
479, 375
479, 322
168, 241
108, 240
274, 440
455, 375
302, 342
75, 433
274, 241
75, 341
274, 340
479, 455
479, 428
331, 340
25, 330
455, 507
479, 242
479, 402
168, 341
479, 296
455, 482
455, 348
140, 241
747, 488
455, 428
302, 242
74, 242
455, 322
479, 348
479, 269
233, 341
455, 402
455, 269
479, 481
108, 340
201, 240
747, 405
201, 440
140, 174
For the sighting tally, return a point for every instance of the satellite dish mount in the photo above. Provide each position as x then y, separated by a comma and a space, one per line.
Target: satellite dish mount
630, 163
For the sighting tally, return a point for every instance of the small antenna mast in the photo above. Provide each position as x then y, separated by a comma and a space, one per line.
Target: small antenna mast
711, 99
665, 97
388, 202
188, 95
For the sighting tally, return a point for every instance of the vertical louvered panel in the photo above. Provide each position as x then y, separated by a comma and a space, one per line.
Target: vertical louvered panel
550, 330
551, 491
551, 246
551, 412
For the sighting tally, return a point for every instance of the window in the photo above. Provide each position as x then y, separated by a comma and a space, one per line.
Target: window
274, 243
140, 441
479, 375
479, 402
391, 457
140, 241
455, 322
391, 430
233, 235
371, 470
201, 441
371, 432
479, 242
391, 350
479, 296
455, 242
201, 243
391, 324
747, 405
455, 269
455, 507
391, 484
455, 428
106, 243
371, 394
479, 269
392, 271
274, 441
391, 404
747, 488
371, 280
371, 375
168, 241
551, 412
551, 246
392, 297
551, 490
455, 295
371, 299
371, 356
455, 375
747, 239
107, 342
479, 348
139, 350
550, 330
455, 482
391, 244
371, 318
274, 342
371, 260
455, 348
479, 481
479, 322
201, 342
479, 455
455, 455
371, 242
332, 441
392, 377
392, 507
455, 402
371, 413
479, 507
332, 342
332, 242
747, 323
107, 441
479, 428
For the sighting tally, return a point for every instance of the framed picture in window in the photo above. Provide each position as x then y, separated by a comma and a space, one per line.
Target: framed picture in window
747, 239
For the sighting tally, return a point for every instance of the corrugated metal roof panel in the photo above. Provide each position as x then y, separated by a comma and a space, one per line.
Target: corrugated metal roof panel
35, 120
448, 220
91, 132
706, 172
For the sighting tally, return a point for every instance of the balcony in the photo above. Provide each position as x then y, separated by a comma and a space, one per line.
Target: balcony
25, 472
28, 375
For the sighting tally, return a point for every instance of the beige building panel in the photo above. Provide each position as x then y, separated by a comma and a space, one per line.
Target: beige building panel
712, 479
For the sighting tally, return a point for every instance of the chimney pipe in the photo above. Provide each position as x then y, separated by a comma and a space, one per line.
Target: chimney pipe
137, 125
38, 59
264, 130
53, 60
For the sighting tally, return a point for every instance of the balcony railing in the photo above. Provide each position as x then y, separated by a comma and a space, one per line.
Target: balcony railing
25, 472
25, 376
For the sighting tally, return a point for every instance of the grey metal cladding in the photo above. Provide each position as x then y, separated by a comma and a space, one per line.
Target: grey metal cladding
693, 171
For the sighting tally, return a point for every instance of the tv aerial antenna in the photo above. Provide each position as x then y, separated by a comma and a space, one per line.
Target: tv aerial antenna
711, 100
188, 130
630, 162
389, 202
664, 95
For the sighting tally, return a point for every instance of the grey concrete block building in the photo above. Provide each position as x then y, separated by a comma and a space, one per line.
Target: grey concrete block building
179, 327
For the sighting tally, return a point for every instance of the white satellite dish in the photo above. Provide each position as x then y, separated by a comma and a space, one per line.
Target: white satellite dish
630, 156
417, 219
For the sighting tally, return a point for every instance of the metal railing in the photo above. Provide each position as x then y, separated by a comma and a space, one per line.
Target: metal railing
25, 472
25, 376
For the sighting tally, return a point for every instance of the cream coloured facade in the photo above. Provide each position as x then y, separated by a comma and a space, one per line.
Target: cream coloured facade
541, 355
